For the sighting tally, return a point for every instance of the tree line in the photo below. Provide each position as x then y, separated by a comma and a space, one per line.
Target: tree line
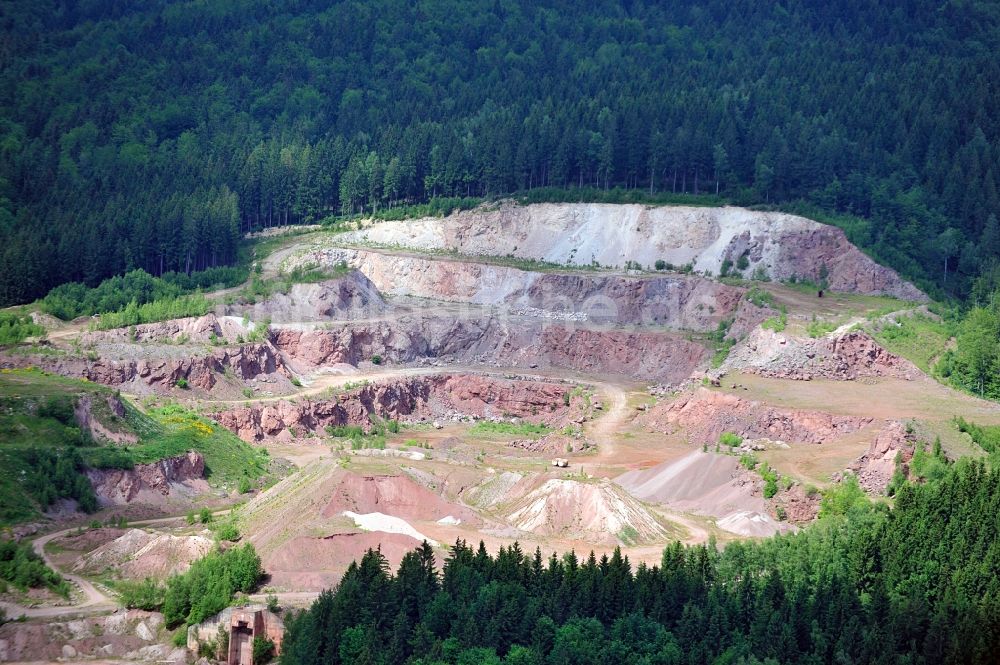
151, 134
914, 584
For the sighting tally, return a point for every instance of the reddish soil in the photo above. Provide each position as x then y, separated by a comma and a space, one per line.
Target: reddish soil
306, 562
398, 496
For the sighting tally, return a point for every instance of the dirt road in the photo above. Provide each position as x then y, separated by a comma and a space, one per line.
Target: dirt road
94, 601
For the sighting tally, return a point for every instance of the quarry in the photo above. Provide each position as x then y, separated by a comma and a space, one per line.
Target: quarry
564, 376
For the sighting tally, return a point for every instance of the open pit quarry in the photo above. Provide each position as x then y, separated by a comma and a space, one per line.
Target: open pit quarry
511, 373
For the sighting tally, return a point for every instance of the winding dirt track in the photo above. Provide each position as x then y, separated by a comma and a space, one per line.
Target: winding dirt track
94, 601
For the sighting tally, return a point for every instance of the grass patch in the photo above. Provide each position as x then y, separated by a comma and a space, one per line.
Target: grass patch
759, 296
918, 338
490, 428
818, 327
777, 323
173, 430
44, 454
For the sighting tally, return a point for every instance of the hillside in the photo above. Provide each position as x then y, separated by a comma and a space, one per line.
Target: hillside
72, 445
151, 134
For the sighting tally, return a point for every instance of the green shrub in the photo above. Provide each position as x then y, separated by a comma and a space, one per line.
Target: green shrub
295, 382
181, 383
228, 531
845, 498
210, 585
776, 323
263, 650
817, 328
730, 439
522, 428
205, 515
23, 569
760, 297
376, 359
15, 328
136, 289
145, 595
245, 485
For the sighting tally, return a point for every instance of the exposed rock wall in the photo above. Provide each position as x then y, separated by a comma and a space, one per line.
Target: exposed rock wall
524, 343
129, 635
150, 483
190, 329
684, 302
420, 397
611, 235
876, 467
83, 412
200, 371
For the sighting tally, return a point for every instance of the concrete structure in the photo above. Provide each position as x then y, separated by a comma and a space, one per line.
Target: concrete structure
242, 624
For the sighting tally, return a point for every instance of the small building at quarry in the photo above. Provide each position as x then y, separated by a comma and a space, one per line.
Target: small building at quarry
241, 625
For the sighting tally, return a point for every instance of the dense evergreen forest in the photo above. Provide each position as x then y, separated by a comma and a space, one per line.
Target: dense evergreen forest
915, 584
149, 134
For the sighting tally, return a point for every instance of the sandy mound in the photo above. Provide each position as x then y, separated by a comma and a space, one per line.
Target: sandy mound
708, 484
138, 554
750, 523
843, 357
495, 489
397, 496
782, 245
350, 297
597, 512
200, 329
704, 415
697, 479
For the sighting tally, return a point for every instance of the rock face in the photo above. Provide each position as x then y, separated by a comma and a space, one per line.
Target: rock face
421, 397
126, 634
201, 371
611, 235
83, 412
684, 302
704, 415
496, 341
797, 505
845, 357
150, 483
876, 467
